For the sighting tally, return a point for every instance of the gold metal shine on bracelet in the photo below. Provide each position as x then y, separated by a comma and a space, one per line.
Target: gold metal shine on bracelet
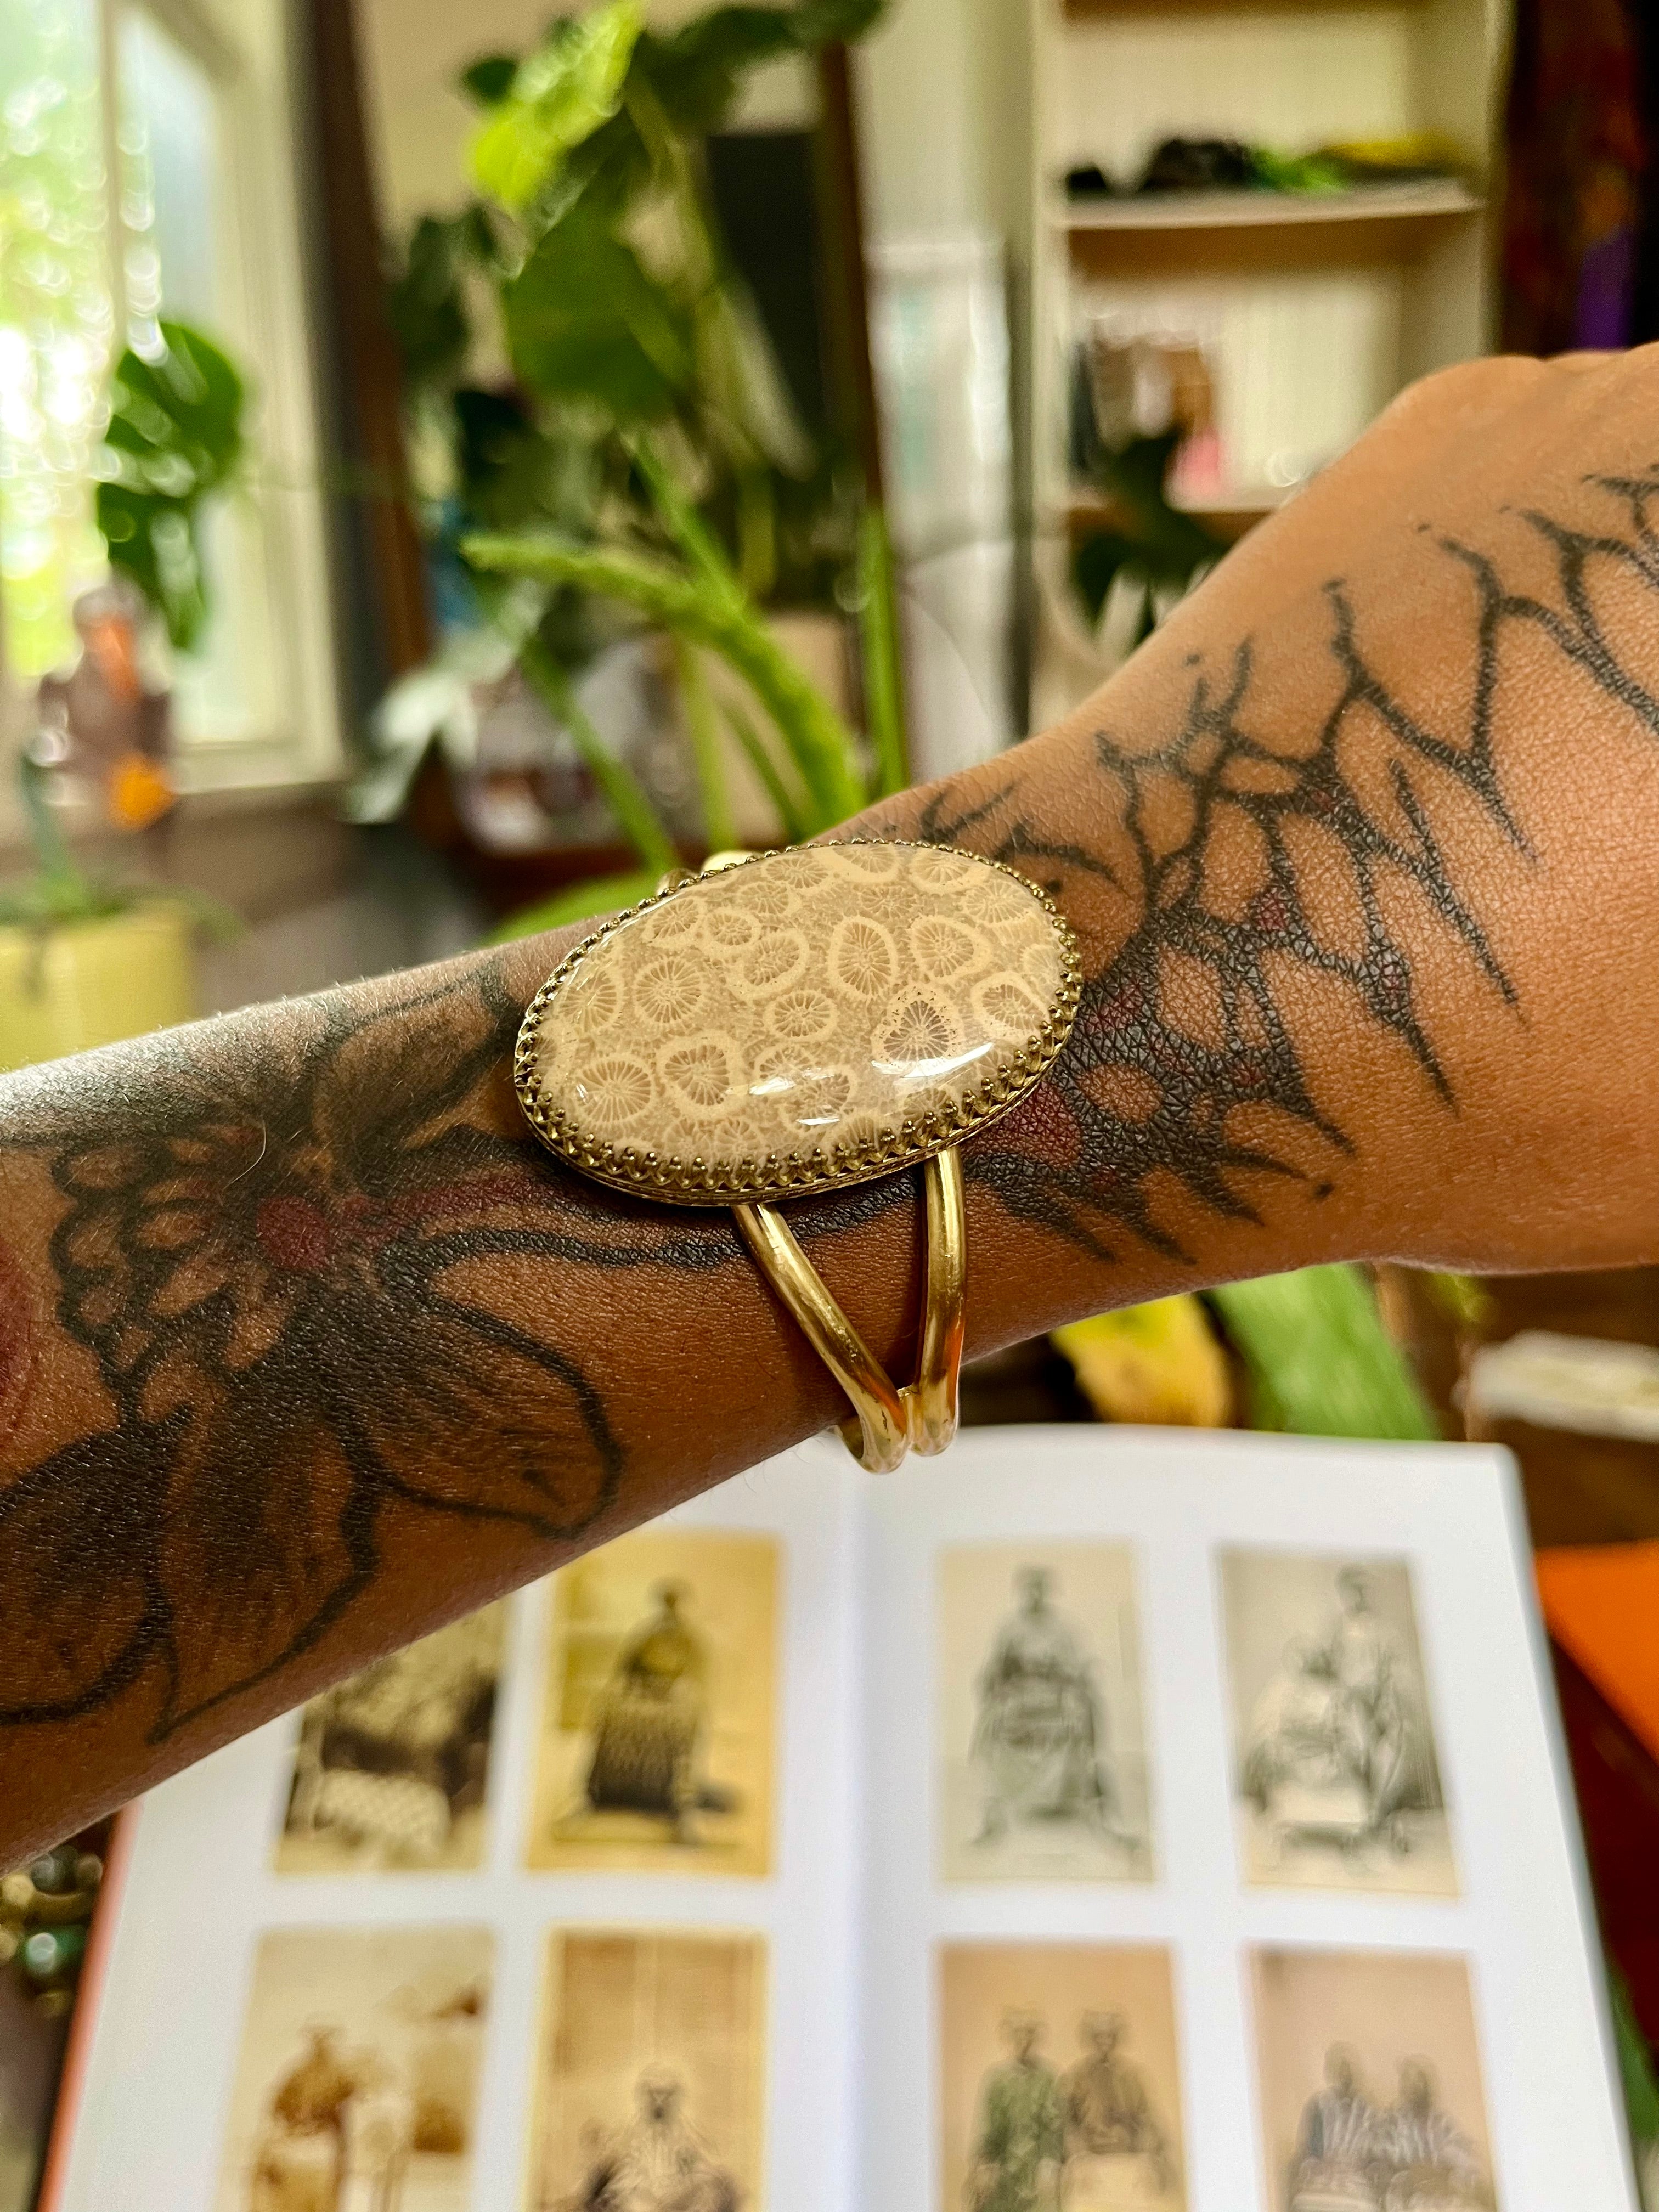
795, 1023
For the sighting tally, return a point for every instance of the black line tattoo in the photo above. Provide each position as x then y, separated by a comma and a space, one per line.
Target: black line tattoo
1191, 1081
276, 1264
270, 1275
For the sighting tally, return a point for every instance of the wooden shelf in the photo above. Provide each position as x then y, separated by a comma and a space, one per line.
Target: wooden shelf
1228, 514
1094, 11
1310, 310
1254, 209
1235, 233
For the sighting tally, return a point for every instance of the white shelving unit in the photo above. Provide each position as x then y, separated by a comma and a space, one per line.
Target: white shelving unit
1311, 311
1258, 210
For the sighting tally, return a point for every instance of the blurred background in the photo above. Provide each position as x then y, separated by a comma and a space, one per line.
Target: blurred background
455, 464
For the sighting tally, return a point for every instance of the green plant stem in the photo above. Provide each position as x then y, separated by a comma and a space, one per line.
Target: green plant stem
640, 822
707, 558
884, 682
757, 532
818, 740
718, 334
703, 730
58, 865
704, 552
796, 825
1321, 1363
578, 903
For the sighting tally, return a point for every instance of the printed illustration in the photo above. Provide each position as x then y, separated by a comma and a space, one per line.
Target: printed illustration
650, 2087
1371, 2098
1042, 1762
391, 1769
357, 2087
1060, 2089
1337, 1779
659, 1712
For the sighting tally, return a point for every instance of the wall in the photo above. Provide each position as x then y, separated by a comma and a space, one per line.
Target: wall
420, 125
944, 95
945, 90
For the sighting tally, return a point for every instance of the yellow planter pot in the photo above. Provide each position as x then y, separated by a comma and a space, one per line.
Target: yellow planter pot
94, 984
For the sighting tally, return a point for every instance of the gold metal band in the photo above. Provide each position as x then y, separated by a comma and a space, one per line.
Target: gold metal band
932, 1401
888, 1420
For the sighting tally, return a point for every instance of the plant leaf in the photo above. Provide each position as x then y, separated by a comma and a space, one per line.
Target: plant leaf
822, 22
425, 303
559, 97
884, 682
584, 321
820, 742
174, 436
489, 79
175, 421
579, 902
695, 70
1320, 1360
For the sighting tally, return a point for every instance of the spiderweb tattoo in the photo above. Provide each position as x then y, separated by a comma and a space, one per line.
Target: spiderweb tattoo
1227, 784
277, 1255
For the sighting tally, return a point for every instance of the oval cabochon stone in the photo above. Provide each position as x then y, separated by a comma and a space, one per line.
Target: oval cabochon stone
799, 1021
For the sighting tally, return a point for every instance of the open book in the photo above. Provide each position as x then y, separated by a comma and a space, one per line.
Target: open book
1096, 1821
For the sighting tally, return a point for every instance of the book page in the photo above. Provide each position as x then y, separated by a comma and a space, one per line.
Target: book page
559, 1900
1216, 1844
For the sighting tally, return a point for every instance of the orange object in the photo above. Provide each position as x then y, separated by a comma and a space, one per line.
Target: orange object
113, 641
1601, 1604
137, 792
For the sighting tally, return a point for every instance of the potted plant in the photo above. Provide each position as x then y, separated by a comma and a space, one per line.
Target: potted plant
85, 959
639, 469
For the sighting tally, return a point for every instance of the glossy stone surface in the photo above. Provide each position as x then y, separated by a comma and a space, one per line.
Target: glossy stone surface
798, 1009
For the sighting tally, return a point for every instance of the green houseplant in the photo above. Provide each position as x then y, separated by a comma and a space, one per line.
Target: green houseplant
640, 463
86, 959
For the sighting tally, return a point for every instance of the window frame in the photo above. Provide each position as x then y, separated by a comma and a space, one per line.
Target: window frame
287, 631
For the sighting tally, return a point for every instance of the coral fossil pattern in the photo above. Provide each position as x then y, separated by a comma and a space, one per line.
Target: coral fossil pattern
811, 1001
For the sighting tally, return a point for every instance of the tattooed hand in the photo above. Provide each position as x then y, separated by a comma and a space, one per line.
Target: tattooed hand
1343, 834
305, 1346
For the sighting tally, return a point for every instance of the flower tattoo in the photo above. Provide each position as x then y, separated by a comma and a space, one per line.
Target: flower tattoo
278, 1279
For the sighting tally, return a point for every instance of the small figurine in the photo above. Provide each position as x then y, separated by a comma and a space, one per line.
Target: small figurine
101, 721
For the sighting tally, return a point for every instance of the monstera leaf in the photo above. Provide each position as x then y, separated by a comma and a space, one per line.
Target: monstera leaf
489, 79
696, 71
174, 436
510, 471
559, 97
425, 301
585, 321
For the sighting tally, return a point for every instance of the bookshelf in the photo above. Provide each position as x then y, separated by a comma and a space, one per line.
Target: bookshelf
1233, 210
1309, 312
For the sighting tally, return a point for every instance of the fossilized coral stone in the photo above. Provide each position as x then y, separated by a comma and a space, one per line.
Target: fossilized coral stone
802, 1020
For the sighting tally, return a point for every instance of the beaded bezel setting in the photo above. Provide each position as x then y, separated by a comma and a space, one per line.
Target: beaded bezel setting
694, 1181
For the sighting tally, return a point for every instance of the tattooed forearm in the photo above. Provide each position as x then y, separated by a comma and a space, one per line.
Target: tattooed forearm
1251, 811
301, 1334
263, 1263
18, 1334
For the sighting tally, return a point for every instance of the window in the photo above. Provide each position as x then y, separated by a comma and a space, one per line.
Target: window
146, 169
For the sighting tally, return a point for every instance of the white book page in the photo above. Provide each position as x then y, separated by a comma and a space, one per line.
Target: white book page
221, 1966
1015, 1920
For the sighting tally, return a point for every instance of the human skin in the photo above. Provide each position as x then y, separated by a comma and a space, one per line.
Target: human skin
307, 1346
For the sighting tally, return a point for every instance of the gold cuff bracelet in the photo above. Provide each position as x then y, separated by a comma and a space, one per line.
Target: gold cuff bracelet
796, 1023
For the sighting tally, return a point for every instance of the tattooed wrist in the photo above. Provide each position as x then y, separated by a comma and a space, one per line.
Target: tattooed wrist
277, 1245
1254, 857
